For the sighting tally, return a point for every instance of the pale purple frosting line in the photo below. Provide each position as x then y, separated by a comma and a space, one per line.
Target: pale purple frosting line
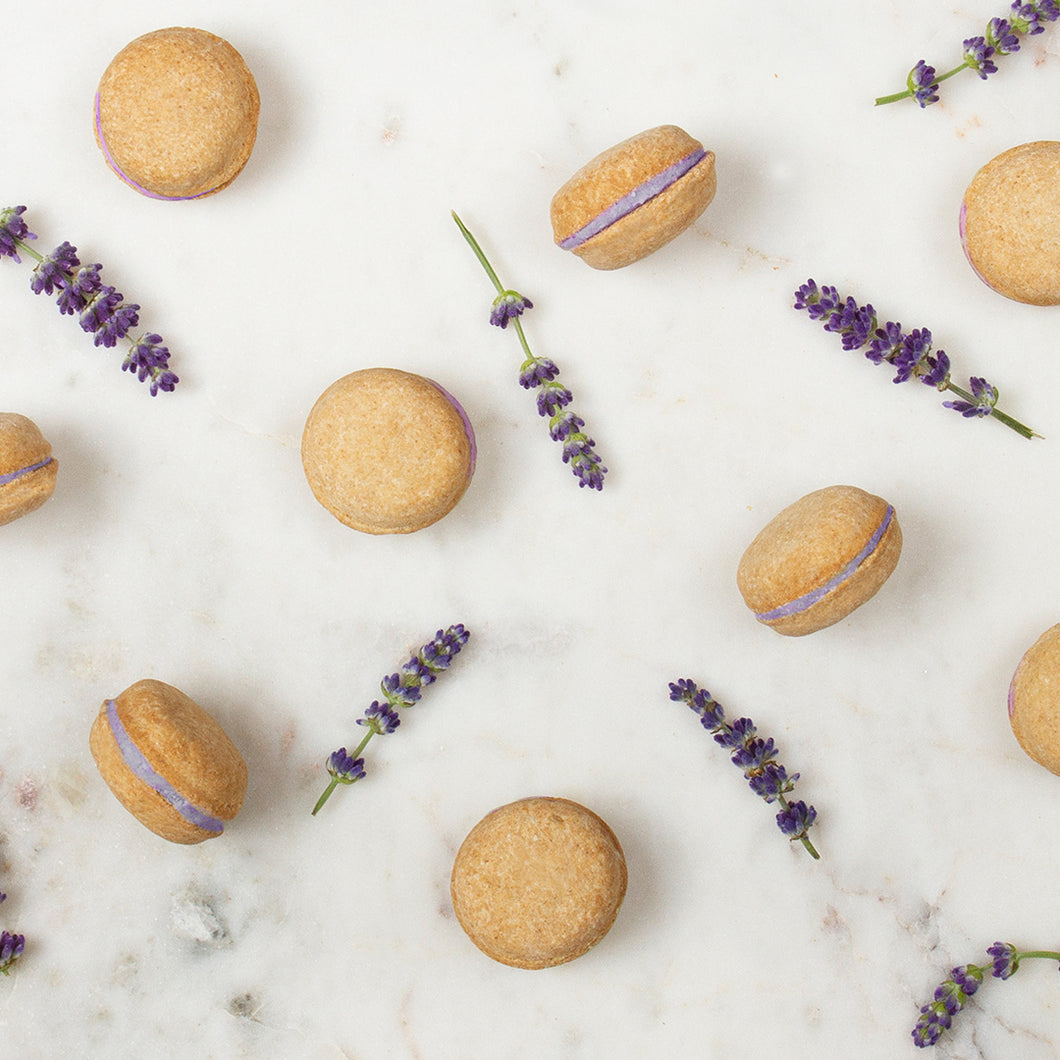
134, 759
812, 597
12, 475
128, 180
633, 199
468, 429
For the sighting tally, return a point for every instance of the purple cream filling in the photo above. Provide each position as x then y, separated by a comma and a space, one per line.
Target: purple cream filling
807, 601
962, 226
128, 180
12, 475
468, 429
134, 759
633, 199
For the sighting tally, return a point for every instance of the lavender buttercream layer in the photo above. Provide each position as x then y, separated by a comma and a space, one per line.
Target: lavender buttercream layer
468, 429
634, 199
133, 757
806, 601
12, 475
125, 176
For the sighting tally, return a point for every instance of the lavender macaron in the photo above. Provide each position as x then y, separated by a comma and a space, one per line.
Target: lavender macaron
27, 468
819, 559
633, 198
1034, 701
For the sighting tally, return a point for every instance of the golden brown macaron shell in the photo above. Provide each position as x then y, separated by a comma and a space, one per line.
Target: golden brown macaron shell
387, 451
27, 468
177, 113
602, 183
182, 777
538, 882
1034, 701
1010, 223
819, 559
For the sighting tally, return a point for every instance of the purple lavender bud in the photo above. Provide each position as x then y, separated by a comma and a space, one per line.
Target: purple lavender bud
344, 768
984, 395
507, 306
807, 296
11, 947
911, 357
754, 754
1006, 962
1049, 10
166, 381
380, 718
886, 344
123, 319
399, 690
938, 373
921, 82
977, 54
12, 227
796, 820
551, 398
536, 371
772, 782
53, 273
1025, 18
1000, 37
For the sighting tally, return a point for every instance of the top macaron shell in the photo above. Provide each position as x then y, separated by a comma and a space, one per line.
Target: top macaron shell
1034, 701
387, 451
820, 559
616, 172
1010, 223
177, 113
28, 470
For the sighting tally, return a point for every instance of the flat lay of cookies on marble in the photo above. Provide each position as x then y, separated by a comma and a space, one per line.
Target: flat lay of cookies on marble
456, 432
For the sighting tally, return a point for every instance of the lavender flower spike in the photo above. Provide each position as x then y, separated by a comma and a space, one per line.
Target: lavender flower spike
910, 353
756, 757
11, 947
100, 309
402, 689
953, 993
579, 450
1001, 38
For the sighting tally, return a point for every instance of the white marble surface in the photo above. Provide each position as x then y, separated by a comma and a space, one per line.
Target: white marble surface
183, 543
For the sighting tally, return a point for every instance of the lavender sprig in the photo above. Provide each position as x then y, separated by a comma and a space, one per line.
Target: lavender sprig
399, 690
756, 757
11, 947
1001, 38
539, 372
910, 353
100, 309
952, 994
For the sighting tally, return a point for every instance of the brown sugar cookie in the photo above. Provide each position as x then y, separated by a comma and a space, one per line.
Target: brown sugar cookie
819, 559
27, 468
388, 452
538, 882
168, 762
1034, 701
1010, 223
177, 113
634, 197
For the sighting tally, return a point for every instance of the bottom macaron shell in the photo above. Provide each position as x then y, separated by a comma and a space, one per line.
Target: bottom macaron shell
1034, 701
27, 492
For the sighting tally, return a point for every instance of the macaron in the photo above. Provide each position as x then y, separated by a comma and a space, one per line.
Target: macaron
1010, 223
1034, 701
634, 197
27, 468
176, 114
169, 763
387, 451
819, 559
538, 882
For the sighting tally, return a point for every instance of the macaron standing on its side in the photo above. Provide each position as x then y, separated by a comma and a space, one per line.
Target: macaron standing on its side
634, 197
168, 762
27, 468
538, 882
1034, 701
819, 559
1010, 223
387, 451
176, 114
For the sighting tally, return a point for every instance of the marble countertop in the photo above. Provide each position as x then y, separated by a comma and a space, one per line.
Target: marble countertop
183, 543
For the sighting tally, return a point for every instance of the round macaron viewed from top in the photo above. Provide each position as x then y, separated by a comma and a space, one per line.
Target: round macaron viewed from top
1010, 223
1034, 701
176, 114
168, 762
538, 882
27, 468
387, 451
819, 559
633, 198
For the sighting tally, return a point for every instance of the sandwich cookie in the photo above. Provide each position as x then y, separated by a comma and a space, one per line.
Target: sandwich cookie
27, 468
1034, 701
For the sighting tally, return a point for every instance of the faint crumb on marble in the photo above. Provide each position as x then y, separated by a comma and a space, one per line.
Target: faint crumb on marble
69, 781
245, 1006
193, 916
26, 793
127, 968
391, 131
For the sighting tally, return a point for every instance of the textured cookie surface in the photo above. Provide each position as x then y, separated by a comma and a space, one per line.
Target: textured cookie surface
196, 779
27, 468
1010, 223
387, 452
819, 559
177, 113
538, 882
619, 171
1034, 701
